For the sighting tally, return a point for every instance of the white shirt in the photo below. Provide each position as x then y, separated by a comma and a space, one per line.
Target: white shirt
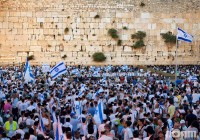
128, 134
100, 128
32, 137
30, 108
176, 101
19, 131
22, 119
111, 100
104, 137
195, 97
147, 138
23, 106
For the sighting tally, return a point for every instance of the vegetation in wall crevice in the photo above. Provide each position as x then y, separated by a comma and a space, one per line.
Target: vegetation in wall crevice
99, 57
169, 37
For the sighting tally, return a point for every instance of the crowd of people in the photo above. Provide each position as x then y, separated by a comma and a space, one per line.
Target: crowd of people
142, 106
182, 70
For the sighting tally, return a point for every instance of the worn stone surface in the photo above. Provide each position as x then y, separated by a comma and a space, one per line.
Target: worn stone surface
38, 28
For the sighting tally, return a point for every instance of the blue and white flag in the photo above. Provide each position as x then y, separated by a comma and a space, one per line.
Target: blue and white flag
75, 72
99, 91
28, 75
193, 78
41, 124
53, 115
58, 70
99, 112
81, 90
78, 107
184, 36
59, 134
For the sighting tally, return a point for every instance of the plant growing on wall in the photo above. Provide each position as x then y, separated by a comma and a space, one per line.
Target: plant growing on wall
139, 36
113, 33
64, 56
142, 4
125, 28
169, 37
31, 57
97, 16
99, 57
138, 44
66, 30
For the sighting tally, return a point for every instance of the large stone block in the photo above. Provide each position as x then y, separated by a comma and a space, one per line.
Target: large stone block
145, 15
40, 19
35, 48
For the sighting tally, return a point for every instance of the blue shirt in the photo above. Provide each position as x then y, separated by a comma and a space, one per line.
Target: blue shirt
92, 111
74, 123
14, 104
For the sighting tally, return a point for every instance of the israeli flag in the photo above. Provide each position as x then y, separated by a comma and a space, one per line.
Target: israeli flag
41, 124
59, 134
53, 116
58, 70
75, 71
193, 78
78, 108
184, 36
82, 87
99, 112
81, 90
28, 75
99, 91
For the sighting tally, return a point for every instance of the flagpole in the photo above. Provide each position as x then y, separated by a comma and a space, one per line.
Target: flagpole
176, 60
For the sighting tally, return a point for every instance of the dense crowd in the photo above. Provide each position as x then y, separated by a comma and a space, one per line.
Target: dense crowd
143, 106
182, 70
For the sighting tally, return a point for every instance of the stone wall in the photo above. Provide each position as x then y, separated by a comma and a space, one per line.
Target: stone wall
37, 27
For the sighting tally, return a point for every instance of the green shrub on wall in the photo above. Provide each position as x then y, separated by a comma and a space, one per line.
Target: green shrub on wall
138, 44
169, 37
139, 35
99, 57
113, 33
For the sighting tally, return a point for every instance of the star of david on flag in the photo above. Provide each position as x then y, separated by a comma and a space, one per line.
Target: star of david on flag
184, 36
58, 70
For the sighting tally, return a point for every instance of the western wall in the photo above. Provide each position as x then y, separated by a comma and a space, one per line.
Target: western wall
76, 29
